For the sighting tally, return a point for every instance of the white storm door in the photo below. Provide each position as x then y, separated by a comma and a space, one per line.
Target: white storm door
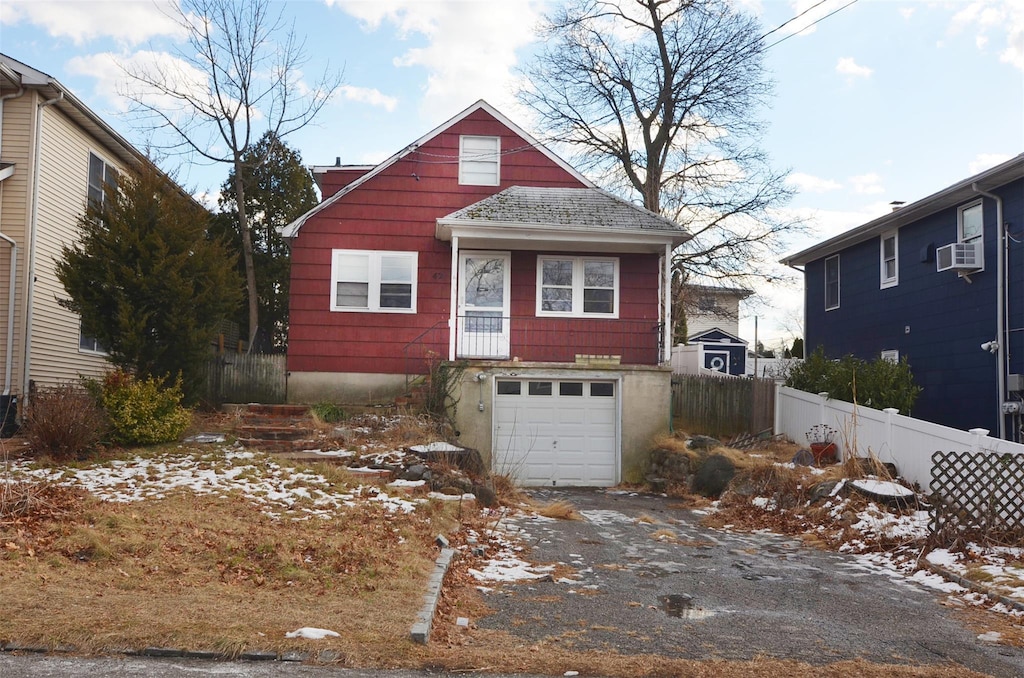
484, 305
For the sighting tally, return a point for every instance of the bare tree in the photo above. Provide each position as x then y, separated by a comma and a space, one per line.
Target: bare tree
660, 99
236, 76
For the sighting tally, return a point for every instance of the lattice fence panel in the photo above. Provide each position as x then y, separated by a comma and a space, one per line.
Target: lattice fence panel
977, 496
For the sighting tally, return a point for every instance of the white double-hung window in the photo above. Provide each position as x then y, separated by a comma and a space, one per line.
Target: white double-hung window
373, 281
577, 286
888, 264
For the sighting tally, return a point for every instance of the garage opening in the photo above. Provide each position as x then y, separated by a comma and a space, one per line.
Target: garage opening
556, 431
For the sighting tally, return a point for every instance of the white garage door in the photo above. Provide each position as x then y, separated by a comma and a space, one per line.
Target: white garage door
556, 431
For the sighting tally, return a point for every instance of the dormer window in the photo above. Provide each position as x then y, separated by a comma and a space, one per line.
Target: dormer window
479, 161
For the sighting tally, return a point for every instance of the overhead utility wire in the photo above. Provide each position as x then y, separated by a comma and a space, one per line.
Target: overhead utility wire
789, 21
816, 21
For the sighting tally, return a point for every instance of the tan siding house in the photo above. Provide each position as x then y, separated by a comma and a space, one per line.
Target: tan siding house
48, 138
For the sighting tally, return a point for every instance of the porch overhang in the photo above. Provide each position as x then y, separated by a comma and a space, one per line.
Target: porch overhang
480, 234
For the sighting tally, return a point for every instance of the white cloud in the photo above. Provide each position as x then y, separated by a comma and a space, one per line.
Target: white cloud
366, 95
867, 184
806, 183
994, 16
984, 161
470, 51
847, 66
907, 12
129, 23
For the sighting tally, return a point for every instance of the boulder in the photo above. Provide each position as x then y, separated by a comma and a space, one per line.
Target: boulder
714, 475
485, 496
803, 457
703, 443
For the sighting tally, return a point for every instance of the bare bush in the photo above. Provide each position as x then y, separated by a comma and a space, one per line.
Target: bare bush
64, 423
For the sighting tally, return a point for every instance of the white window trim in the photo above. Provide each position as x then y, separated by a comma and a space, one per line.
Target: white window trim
108, 167
89, 351
373, 293
839, 281
891, 355
577, 287
463, 158
980, 238
895, 279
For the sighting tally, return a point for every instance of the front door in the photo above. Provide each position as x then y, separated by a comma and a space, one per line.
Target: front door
483, 320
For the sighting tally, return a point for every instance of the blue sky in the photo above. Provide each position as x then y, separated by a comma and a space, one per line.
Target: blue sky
885, 100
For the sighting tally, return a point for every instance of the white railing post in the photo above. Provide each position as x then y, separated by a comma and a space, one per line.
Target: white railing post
889, 411
979, 435
778, 409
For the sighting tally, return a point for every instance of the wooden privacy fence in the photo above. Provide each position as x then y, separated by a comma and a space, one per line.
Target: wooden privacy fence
723, 406
246, 378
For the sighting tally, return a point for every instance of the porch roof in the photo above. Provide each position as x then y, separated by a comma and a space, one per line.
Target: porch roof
533, 217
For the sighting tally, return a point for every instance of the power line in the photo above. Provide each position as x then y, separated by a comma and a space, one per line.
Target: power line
789, 21
816, 21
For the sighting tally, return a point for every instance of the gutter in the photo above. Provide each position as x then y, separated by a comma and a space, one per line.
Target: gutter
12, 284
33, 221
1000, 307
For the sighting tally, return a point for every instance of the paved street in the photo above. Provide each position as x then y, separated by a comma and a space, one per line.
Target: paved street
723, 595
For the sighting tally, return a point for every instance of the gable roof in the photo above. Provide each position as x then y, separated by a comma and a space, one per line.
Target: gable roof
958, 193
706, 334
291, 230
580, 209
23, 77
738, 292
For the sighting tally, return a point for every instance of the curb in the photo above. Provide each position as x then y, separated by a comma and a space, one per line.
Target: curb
975, 586
420, 632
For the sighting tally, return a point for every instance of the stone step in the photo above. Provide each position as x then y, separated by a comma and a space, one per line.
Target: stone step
272, 433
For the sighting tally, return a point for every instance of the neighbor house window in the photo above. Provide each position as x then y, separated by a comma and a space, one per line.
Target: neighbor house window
832, 283
970, 223
100, 175
577, 286
888, 264
366, 280
89, 344
479, 161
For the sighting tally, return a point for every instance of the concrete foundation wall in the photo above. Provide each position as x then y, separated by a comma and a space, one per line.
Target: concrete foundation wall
644, 396
344, 387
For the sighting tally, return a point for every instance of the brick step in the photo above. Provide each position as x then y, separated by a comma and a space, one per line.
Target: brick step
280, 447
268, 410
251, 420
272, 433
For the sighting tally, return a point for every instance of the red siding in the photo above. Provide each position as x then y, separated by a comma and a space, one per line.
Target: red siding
397, 210
334, 180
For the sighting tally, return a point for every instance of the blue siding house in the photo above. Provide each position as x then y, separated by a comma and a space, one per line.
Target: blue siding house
939, 281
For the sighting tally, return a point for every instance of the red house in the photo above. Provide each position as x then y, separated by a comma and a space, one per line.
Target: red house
477, 244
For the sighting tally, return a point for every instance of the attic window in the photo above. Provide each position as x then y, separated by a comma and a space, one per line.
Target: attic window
479, 161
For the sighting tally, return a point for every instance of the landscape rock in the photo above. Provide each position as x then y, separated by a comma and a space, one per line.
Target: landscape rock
823, 490
703, 443
484, 496
714, 475
803, 457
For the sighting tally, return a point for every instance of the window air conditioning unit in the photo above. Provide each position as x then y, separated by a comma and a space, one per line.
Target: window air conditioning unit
959, 256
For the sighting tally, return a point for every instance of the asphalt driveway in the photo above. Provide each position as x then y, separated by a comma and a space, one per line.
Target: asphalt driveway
718, 594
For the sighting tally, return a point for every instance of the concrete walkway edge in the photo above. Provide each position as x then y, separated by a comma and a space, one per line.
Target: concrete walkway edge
421, 629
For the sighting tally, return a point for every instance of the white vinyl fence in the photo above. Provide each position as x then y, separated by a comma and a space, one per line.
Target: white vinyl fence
906, 442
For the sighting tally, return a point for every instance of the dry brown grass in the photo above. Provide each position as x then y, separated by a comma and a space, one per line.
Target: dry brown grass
202, 572
559, 510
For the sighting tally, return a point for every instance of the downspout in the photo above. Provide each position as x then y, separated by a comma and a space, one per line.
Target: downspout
453, 299
12, 285
1000, 309
30, 271
667, 331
